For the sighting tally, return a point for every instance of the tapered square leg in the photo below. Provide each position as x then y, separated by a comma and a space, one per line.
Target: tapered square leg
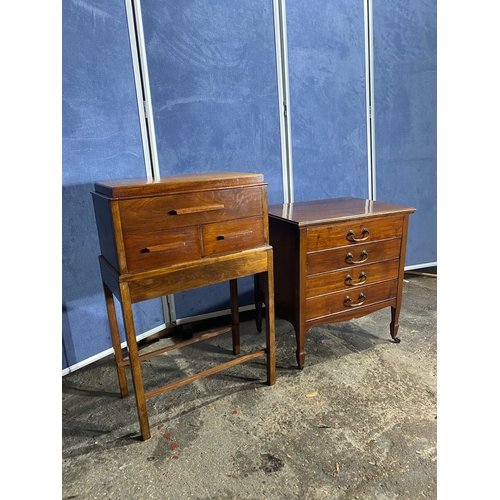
270, 326
115, 338
259, 285
235, 317
135, 364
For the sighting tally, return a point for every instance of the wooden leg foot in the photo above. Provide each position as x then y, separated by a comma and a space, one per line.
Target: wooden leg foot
186, 332
394, 326
300, 353
301, 357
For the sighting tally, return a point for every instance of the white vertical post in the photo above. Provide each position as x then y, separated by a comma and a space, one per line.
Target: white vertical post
139, 63
370, 112
283, 98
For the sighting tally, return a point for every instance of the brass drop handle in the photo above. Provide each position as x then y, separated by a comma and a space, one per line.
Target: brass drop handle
195, 210
363, 258
349, 303
362, 279
352, 237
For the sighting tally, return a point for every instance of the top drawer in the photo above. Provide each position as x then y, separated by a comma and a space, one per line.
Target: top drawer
142, 215
345, 233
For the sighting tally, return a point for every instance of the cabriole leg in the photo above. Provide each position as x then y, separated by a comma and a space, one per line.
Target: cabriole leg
300, 335
394, 326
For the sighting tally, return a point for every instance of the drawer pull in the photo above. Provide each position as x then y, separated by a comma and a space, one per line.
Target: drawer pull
362, 258
195, 210
362, 279
361, 299
231, 236
167, 246
364, 235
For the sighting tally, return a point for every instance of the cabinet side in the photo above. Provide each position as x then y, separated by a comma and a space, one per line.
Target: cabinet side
105, 228
284, 238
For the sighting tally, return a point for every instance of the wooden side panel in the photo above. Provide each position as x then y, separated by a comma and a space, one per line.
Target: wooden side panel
105, 228
284, 239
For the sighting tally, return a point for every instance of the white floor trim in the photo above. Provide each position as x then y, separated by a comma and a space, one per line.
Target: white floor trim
421, 266
109, 351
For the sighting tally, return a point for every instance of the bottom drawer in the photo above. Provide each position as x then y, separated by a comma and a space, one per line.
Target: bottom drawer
160, 249
339, 302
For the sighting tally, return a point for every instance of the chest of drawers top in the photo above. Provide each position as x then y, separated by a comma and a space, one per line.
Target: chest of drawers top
320, 212
146, 225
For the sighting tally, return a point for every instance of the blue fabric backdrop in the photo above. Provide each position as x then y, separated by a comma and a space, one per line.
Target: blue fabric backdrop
100, 140
405, 86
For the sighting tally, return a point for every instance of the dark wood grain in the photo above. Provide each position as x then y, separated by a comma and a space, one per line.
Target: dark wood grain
319, 244
185, 183
311, 213
175, 234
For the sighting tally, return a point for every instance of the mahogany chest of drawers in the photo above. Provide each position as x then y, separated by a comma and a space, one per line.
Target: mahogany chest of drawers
174, 234
335, 260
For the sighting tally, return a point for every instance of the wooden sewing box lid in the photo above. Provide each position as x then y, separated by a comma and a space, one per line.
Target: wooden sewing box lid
208, 181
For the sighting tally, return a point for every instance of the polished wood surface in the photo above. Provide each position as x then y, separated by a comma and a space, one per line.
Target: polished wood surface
185, 183
153, 213
137, 234
324, 283
335, 260
310, 213
176, 234
352, 232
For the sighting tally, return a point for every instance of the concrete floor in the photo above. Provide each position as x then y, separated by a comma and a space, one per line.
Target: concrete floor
358, 422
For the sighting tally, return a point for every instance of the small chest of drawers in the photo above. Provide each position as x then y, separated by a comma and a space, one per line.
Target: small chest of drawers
174, 234
335, 260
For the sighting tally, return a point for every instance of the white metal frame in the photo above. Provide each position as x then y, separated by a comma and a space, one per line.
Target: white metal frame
139, 60
281, 44
370, 113
139, 64
145, 107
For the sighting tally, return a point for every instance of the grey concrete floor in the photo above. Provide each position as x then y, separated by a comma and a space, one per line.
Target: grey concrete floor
358, 422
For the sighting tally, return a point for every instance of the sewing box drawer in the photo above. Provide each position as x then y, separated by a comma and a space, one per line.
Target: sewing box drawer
145, 225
